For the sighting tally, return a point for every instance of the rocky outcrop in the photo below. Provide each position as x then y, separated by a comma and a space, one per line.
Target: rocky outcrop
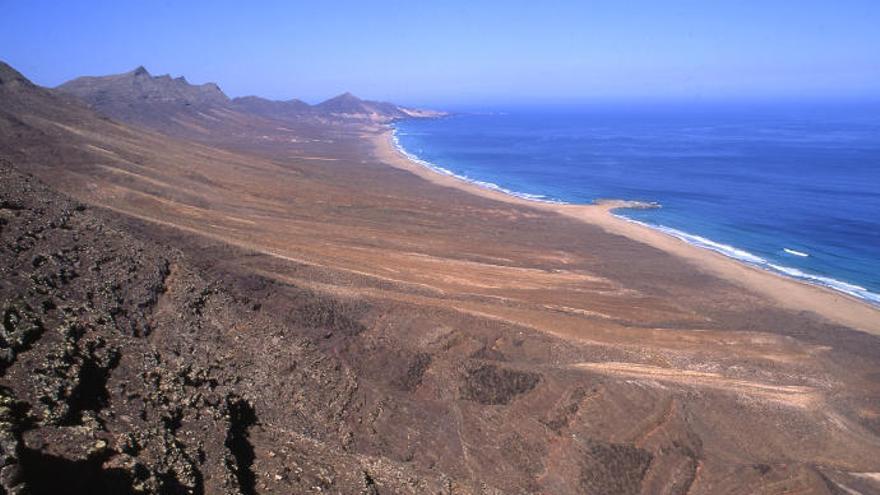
123, 371
492, 385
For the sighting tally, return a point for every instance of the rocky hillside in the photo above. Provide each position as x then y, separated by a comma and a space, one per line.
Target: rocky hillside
273, 109
138, 358
348, 106
122, 370
135, 93
290, 314
130, 87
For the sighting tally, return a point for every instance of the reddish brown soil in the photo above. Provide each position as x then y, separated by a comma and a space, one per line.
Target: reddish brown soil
261, 315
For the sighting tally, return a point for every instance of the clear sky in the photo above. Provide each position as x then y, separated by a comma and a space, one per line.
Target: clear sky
463, 51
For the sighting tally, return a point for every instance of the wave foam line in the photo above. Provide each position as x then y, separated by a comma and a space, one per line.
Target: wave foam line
484, 184
853, 290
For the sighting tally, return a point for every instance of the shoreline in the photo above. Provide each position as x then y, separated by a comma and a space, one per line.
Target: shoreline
787, 292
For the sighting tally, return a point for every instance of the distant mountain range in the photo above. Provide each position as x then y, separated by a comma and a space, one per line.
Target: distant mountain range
157, 101
138, 86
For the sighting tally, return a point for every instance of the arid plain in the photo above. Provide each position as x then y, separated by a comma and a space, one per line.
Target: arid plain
470, 344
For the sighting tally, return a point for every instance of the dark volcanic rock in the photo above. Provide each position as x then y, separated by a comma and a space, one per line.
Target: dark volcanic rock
493, 385
123, 371
613, 468
88, 399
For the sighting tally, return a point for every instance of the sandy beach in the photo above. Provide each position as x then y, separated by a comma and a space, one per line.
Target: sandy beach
792, 294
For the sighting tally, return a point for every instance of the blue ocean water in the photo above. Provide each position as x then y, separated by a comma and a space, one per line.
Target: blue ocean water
790, 188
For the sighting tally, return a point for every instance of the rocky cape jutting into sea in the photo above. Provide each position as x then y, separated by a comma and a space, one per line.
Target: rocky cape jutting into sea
212, 295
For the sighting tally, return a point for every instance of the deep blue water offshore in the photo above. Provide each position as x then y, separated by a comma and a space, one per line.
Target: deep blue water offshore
793, 189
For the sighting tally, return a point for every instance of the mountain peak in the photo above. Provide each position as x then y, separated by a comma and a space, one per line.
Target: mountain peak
351, 106
343, 98
138, 95
11, 77
344, 103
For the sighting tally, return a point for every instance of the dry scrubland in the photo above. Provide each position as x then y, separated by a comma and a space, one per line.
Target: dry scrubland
259, 303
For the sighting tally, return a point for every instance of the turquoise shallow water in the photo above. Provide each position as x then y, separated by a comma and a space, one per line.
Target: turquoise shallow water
793, 189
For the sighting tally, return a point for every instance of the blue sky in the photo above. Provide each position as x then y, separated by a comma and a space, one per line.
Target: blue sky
463, 52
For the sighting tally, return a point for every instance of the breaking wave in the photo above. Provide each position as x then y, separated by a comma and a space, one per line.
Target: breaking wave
853, 290
738, 254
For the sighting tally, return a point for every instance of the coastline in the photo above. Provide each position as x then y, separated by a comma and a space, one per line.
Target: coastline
787, 292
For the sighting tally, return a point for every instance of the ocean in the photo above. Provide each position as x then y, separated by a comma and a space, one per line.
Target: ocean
793, 189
